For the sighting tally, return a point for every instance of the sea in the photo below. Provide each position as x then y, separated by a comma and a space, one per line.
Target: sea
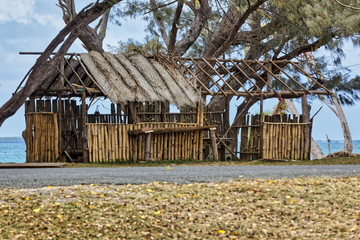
12, 149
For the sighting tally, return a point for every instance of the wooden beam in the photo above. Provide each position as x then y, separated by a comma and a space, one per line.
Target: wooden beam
168, 129
284, 94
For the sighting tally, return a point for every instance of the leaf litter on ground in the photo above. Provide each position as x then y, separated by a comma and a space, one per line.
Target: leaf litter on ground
303, 208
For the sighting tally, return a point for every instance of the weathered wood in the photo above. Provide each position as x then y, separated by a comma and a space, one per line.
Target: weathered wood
169, 129
32, 165
84, 128
306, 118
213, 144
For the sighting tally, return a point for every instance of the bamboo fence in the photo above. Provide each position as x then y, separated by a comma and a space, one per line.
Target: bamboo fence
112, 142
284, 141
41, 137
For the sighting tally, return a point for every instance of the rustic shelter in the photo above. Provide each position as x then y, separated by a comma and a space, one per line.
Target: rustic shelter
141, 126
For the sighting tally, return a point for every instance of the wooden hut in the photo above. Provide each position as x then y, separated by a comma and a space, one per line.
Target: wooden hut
140, 126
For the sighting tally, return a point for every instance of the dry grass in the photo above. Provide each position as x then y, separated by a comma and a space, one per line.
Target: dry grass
318, 208
191, 162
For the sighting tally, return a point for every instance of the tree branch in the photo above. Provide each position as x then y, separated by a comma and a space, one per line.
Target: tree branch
235, 28
159, 22
201, 16
174, 28
307, 48
44, 68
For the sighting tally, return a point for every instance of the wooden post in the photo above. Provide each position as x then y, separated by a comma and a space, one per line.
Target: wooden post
200, 122
84, 130
163, 109
135, 148
31, 106
261, 154
269, 76
306, 118
213, 144
60, 120
148, 146
227, 113
133, 118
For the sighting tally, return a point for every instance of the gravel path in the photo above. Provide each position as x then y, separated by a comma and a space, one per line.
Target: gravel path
34, 178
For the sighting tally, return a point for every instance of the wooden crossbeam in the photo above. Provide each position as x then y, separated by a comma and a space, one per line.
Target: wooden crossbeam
169, 129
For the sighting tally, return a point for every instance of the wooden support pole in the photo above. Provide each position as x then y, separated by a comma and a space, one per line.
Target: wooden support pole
200, 121
163, 109
261, 154
60, 111
227, 113
269, 76
213, 144
135, 148
306, 118
148, 146
84, 127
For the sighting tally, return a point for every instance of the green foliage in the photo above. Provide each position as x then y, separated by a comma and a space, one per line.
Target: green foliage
277, 29
148, 47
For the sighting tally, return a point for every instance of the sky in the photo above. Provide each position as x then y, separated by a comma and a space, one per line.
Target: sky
30, 25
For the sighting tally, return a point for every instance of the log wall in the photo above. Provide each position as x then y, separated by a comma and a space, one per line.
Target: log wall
41, 137
112, 142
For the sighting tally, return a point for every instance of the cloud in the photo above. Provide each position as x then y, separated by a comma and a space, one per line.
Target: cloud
16, 10
29, 11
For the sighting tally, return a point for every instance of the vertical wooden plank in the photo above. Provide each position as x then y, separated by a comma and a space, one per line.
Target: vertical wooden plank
84, 127
213, 144
148, 146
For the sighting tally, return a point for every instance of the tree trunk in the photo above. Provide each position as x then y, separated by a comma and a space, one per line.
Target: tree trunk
338, 111
44, 68
344, 125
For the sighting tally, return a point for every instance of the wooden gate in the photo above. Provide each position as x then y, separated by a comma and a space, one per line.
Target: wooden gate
276, 137
41, 137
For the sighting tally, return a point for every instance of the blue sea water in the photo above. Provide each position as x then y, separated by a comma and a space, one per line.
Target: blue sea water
13, 149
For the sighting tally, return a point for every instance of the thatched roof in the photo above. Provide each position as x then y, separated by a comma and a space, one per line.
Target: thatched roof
176, 80
137, 78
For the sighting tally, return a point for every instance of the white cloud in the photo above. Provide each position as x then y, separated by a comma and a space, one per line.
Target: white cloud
55, 21
16, 10
26, 12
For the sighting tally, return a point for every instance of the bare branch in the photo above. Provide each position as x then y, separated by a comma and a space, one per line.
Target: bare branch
348, 6
239, 22
68, 9
159, 6
103, 25
174, 28
201, 16
307, 48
